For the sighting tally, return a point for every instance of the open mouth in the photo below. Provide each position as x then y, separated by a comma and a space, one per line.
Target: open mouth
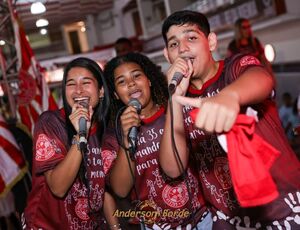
135, 94
84, 101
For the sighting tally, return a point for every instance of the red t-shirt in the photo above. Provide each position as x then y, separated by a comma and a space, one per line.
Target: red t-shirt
44, 210
213, 166
171, 199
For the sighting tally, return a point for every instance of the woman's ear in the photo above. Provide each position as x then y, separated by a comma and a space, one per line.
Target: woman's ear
212, 41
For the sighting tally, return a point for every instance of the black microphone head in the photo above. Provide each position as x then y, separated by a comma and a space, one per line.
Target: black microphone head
136, 104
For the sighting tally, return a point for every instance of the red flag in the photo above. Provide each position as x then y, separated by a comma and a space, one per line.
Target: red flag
34, 96
13, 166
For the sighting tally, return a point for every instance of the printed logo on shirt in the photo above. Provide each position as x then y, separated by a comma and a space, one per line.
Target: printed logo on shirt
81, 208
249, 60
175, 196
221, 170
108, 157
44, 148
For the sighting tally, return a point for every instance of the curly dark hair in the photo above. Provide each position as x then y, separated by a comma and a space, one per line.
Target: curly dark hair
100, 115
159, 90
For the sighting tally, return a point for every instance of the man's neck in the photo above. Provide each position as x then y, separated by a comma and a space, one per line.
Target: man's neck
197, 82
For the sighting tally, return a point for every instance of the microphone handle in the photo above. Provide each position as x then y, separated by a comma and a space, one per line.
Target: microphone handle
82, 128
133, 133
132, 138
176, 79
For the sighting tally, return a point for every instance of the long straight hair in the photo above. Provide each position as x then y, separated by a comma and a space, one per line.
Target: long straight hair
100, 116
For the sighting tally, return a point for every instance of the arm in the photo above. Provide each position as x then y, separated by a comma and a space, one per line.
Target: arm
252, 87
120, 177
62, 176
167, 158
218, 113
109, 208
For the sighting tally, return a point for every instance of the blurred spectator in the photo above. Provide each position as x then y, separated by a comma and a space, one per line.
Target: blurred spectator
286, 109
293, 121
123, 46
246, 42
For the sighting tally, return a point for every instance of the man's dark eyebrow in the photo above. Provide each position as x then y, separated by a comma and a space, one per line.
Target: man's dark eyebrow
185, 32
171, 38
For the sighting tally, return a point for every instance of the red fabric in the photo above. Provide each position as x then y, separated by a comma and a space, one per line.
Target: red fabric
34, 96
250, 158
13, 165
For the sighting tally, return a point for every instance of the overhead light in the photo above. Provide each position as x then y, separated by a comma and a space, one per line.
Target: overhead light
37, 8
41, 22
270, 52
43, 31
2, 42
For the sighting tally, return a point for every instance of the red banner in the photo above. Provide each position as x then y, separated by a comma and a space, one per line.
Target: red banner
34, 96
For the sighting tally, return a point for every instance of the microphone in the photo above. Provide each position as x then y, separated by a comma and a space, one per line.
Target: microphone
82, 121
176, 79
133, 132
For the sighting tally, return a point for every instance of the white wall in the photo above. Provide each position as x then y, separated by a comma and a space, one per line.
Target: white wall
129, 30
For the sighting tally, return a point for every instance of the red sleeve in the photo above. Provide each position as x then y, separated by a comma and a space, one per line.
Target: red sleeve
48, 147
109, 150
239, 64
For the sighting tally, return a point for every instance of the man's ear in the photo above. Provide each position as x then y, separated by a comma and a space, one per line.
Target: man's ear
212, 41
116, 95
166, 54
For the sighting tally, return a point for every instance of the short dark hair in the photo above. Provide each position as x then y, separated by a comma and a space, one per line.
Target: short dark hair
186, 17
123, 46
123, 40
101, 111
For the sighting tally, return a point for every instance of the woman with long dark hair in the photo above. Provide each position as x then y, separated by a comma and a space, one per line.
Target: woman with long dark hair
139, 87
70, 162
